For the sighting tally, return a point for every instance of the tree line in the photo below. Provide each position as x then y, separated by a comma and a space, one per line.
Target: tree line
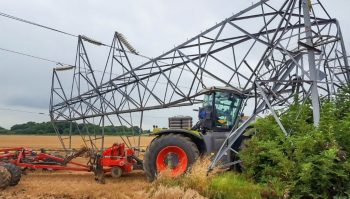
46, 128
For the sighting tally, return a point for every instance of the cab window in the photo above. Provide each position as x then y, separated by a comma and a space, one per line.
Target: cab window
226, 109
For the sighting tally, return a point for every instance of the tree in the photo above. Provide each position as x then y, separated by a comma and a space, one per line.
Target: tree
3, 130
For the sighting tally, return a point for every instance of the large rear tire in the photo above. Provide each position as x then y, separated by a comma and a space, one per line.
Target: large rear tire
173, 152
16, 173
5, 178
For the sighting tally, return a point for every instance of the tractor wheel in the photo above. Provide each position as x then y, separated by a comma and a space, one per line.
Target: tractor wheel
16, 173
116, 172
172, 152
5, 178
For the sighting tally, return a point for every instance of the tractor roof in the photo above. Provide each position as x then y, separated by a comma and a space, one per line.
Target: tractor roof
222, 89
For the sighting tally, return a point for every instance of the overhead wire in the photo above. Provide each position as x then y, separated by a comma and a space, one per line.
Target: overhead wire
57, 30
22, 111
64, 32
133, 51
46, 114
31, 56
35, 24
61, 63
84, 37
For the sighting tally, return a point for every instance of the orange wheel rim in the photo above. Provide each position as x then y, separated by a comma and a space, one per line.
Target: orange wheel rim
173, 159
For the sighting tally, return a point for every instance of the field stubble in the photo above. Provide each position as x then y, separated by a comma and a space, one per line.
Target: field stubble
81, 185
52, 142
59, 184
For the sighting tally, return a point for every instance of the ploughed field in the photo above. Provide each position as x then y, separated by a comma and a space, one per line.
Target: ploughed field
64, 184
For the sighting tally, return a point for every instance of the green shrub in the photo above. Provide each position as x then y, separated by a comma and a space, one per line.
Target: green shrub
311, 162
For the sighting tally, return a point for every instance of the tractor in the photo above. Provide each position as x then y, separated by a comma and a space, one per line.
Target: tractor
177, 149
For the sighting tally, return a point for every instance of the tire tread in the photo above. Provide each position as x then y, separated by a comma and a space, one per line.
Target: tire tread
16, 173
5, 178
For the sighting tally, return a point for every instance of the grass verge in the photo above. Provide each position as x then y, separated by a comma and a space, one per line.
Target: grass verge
216, 185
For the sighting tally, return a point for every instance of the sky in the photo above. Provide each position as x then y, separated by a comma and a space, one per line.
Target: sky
152, 26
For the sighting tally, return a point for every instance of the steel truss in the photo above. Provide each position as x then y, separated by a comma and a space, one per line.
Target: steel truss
272, 51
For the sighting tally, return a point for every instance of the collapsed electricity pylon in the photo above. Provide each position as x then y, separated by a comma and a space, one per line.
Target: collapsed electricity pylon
274, 51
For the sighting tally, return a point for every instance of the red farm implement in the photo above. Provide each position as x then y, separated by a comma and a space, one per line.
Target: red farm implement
115, 160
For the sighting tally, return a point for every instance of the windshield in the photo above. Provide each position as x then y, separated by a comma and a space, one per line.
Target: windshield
227, 106
208, 100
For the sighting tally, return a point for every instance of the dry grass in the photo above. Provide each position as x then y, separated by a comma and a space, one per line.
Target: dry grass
197, 179
217, 184
177, 192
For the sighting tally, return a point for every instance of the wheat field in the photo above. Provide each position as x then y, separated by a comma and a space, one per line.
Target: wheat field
52, 142
71, 185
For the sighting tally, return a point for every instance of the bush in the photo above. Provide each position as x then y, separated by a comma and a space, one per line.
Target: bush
3, 130
309, 163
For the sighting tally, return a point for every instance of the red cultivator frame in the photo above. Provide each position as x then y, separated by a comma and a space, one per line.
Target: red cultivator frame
116, 159
26, 158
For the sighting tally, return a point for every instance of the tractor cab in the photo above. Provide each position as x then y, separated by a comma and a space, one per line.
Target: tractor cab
220, 110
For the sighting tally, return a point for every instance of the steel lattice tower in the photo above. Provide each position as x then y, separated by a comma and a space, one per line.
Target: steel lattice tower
272, 51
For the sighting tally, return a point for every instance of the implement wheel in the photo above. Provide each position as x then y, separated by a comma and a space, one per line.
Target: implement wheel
172, 152
5, 178
16, 173
116, 172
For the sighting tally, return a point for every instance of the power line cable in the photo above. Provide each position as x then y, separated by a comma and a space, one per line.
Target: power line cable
41, 113
60, 31
23, 111
61, 63
66, 33
73, 35
31, 56
35, 24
